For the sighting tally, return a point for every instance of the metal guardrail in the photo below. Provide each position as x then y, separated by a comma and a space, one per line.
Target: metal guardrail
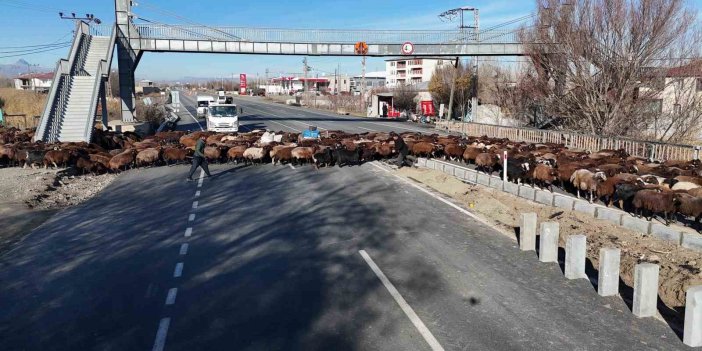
317, 36
592, 143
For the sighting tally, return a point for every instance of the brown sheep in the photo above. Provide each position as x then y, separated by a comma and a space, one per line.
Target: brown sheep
56, 157
545, 175
176, 155
607, 188
453, 151
695, 192
471, 153
85, 165
690, 179
423, 149
148, 157
487, 162
281, 153
689, 205
303, 154
236, 153
123, 160
103, 159
214, 153
653, 202
585, 180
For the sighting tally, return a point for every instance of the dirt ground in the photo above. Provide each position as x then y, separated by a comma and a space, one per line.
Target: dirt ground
31, 196
679, 267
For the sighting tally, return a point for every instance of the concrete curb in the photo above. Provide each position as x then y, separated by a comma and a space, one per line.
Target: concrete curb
689, 240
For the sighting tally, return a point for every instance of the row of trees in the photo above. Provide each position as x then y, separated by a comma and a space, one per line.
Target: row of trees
614, 67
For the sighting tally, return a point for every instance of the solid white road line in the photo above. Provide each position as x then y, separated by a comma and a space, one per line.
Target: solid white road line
184, 249
291, 166
194, 119
170, 298
428, 336
188, 231
191, 217
178, 271
161, 334
195, 203
464, 211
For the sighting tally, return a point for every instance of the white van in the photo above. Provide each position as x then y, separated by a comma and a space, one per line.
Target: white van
223, 118
203, 102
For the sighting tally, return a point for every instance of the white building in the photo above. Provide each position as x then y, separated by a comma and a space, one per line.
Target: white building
339, 84
411, 70
40, 82
373, 80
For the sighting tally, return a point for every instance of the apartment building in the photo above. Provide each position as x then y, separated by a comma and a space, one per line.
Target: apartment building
411, 70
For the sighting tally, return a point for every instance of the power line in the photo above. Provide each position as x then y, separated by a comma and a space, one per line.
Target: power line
31, 6
35, 52
33, 47
188, 21
513, 21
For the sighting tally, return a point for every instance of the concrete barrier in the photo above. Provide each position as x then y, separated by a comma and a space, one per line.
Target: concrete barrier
612, 215
527, 232
544, 197
439, 166
430, 164
449, 169
511, 188
636, 224
527, 192
483, 179
563, 201
471, 176
692, 335
459, 173
548, 242
608, 277
496, 183
645, 290
421, 162
663, 232
692, 241
575, 257
585, 207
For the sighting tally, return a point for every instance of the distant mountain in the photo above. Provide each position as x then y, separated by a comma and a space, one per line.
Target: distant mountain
20, 67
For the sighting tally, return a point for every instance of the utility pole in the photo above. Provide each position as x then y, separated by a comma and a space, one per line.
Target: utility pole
305, 68
363, 84
450, 15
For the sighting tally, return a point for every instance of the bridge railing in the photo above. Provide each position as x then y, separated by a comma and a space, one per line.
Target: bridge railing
316, 36
592, 143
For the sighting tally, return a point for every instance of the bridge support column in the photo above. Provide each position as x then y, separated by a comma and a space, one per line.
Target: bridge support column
127, 58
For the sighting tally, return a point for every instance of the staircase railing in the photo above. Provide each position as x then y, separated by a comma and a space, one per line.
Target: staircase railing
103, 71
63, 67
78, 68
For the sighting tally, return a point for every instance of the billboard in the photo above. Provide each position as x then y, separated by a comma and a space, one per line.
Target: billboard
242, 83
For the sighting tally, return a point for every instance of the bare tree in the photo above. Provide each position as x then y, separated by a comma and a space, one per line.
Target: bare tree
404, 98
440, 86
599, 63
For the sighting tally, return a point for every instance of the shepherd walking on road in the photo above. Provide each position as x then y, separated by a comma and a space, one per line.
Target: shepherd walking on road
199, 159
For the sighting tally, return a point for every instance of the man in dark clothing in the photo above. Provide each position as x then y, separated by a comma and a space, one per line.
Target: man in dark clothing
402, 151
199, 159
385, 110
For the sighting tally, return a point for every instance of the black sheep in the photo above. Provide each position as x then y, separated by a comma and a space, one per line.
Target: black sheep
323, 158
345, 157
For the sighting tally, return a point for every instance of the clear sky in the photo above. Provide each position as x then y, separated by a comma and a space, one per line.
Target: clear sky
35, 22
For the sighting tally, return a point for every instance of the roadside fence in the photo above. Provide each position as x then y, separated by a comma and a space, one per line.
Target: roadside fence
592, 143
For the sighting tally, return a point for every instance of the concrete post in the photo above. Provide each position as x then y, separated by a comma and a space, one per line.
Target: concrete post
527, 232
645, 290
608, 281
127, 58
575, 257
692, 336
548, 242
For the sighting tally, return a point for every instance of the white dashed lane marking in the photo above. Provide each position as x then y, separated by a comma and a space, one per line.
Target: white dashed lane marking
188, 232
171, 297
178, 271
197, 193
184, 249
161, 334
195, 203
191, 217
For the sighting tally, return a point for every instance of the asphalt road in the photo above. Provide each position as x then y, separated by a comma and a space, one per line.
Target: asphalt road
283, 258
263, 114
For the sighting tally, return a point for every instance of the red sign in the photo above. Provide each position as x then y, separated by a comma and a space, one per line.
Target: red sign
242, 83
407, 48
428, 108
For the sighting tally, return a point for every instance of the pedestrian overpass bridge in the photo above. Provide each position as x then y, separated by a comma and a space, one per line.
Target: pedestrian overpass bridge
80, 80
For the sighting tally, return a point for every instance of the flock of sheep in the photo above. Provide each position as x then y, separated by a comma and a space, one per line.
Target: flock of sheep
636, 184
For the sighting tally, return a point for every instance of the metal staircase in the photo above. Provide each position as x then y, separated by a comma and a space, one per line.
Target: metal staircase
79, 82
